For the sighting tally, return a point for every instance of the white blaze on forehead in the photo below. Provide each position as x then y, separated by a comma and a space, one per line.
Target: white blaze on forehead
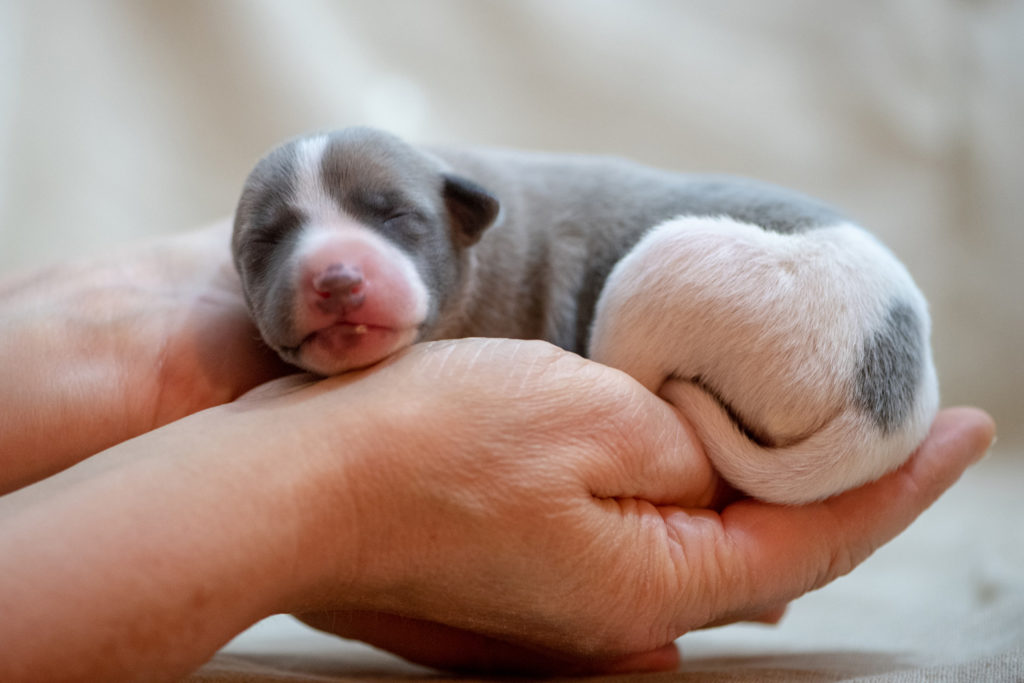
310, 195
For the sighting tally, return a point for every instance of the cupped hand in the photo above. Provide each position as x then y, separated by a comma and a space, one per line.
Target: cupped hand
752, 554
526, 509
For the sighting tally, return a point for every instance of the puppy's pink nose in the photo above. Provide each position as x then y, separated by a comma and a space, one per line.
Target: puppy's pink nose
339, 288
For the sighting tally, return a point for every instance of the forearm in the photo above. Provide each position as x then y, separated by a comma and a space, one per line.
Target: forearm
144, 560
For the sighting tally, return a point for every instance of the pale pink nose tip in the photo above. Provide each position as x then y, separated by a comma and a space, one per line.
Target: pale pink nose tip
340, 288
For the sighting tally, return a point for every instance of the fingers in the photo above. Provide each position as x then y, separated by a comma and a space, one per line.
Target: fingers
757, 555
444, 647
770, 617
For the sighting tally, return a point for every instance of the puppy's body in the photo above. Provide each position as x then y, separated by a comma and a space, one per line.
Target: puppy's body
567, 220
795, 343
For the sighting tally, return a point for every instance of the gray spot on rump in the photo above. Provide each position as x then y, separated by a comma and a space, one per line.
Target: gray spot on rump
890, 369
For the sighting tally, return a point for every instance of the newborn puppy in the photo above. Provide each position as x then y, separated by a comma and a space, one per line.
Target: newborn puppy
795, 343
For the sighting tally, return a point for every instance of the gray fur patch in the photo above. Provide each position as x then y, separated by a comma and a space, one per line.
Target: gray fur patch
264, 224
773, 208
890, 369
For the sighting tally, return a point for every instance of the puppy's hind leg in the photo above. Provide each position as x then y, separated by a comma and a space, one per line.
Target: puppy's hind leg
777, 348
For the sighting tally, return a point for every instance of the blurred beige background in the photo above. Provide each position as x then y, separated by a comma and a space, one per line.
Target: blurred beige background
125, 119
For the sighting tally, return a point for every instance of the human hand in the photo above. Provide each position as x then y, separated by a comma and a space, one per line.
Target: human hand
789, 551
102, 350
553, 516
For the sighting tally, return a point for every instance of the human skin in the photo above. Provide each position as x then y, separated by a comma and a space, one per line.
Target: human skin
107, 348
486, 504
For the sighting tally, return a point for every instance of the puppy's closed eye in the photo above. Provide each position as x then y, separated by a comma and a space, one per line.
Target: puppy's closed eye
406, 227
274, 229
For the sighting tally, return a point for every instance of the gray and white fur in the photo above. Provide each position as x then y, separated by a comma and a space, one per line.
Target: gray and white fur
794, 342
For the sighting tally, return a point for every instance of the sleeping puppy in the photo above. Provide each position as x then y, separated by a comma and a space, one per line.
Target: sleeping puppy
795, 343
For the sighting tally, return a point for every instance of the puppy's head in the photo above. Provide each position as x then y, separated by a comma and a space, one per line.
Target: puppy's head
350, 246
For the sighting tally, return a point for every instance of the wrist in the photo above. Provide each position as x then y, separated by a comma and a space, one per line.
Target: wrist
365, 454
302, 442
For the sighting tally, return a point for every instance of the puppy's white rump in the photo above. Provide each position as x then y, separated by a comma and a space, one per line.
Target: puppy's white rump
802, 359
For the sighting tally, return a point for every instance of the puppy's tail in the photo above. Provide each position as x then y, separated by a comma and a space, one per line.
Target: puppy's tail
802, 360
844, 453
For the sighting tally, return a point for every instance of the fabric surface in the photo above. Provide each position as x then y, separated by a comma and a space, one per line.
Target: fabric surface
121, 119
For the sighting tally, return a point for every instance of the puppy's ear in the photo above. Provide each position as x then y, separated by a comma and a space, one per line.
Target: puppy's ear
471, 208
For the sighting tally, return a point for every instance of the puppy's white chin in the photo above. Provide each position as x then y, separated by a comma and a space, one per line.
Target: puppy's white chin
343, 347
